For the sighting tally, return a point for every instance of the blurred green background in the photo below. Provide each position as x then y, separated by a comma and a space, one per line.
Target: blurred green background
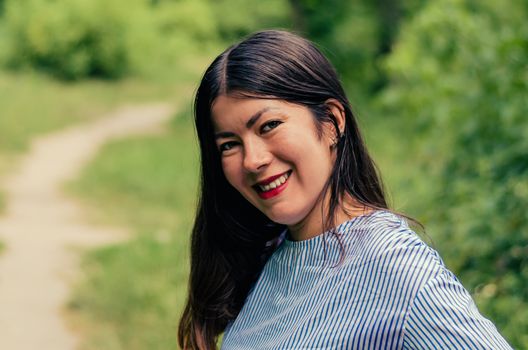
440, 88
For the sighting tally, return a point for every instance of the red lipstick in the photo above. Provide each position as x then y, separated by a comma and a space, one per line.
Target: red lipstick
272, 192
270, 179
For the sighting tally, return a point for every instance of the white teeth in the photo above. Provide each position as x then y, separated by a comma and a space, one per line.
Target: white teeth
275, 183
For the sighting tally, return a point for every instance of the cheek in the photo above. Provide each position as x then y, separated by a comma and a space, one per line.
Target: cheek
232, 172
311, 156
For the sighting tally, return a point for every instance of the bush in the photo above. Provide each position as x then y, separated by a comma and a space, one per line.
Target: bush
238, 18
77, 38
459, 82
72, 39
187, 31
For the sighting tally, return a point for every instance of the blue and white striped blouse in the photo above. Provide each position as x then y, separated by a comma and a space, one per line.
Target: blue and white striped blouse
391, 291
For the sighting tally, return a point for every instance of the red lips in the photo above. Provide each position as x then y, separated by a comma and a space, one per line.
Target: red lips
273, 191
270, 179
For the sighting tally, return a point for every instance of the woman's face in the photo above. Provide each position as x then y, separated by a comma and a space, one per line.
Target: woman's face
272, 155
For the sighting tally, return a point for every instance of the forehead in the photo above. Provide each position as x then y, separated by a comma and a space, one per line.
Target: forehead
228, 111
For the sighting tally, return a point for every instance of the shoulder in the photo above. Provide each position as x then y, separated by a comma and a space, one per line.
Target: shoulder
393, 262
438, 311
386, 236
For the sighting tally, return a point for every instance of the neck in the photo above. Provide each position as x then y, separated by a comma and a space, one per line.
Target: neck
314, 223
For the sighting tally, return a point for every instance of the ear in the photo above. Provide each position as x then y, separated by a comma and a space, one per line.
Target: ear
335, 109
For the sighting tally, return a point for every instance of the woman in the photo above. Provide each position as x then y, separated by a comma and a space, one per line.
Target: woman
294, 246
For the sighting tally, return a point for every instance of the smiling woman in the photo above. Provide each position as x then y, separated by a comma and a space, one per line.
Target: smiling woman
267, 163
294, 246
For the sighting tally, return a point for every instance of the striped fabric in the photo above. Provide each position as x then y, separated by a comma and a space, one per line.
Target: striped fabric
391, 291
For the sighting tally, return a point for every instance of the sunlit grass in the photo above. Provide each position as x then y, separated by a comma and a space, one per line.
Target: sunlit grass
34, 104
144, 184
132, 294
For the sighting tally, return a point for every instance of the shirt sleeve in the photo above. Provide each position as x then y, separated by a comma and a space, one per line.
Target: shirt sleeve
444, 316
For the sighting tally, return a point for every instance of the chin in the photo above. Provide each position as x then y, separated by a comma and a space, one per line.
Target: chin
284, 217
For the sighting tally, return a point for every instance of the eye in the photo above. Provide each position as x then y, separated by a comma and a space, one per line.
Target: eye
270, 126
226, 146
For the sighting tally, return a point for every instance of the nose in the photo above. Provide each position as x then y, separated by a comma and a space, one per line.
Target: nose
256, 156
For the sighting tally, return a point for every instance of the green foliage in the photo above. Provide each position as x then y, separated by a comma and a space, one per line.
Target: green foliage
347, 32
459, 82
73, 39
78, 38
186, 30
354, 35
237, 18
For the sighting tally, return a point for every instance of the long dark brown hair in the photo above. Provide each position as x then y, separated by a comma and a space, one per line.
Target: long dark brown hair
231, 239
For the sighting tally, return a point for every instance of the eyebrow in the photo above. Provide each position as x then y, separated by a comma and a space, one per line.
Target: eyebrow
254, 118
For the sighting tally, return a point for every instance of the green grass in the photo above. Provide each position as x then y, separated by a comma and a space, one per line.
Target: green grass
35, 104
2, 202
133, 293
143, 182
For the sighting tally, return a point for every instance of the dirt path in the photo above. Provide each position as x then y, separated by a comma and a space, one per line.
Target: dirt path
41, 226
